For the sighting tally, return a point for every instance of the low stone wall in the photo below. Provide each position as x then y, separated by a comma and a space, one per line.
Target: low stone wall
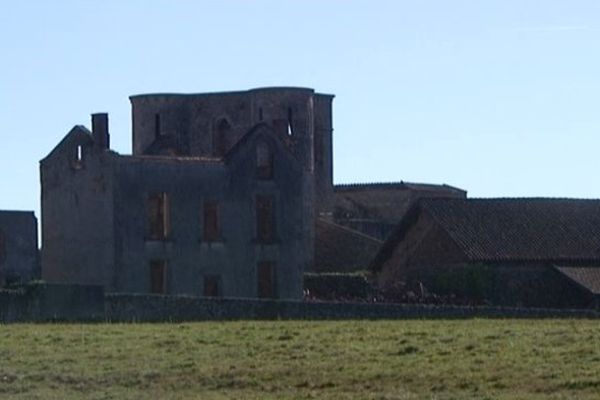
77, 303
52, 302
157, 308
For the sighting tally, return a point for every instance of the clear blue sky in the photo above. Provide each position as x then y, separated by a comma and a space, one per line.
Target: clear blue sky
501, 98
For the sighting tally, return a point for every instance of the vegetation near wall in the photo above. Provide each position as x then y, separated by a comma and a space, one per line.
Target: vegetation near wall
474, 282
352, 286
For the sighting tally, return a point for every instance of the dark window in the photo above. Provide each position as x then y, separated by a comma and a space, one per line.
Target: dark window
211, 221
318, 147
158, 278
212, 286
221, 139
264, 161
264, 219
157, 130
158, 216
260, 114
266, 280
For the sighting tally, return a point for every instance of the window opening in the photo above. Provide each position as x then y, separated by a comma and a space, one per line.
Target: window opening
158, 270
77, 162
158, 216
266, 280
211, 221
260, 114
290, 126
212, 286
264, 219
157, 130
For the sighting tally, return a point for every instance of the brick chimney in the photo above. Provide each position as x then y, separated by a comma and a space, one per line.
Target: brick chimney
100, 131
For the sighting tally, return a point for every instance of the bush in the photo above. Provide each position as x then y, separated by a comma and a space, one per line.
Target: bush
338, 286
474, 282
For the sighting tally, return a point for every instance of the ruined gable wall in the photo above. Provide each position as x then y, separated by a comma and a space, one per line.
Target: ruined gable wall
77, 215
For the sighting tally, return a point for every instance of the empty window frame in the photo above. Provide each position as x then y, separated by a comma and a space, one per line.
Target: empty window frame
158, 216
158, 276
290, 122
265, 219
212, 286
211, 229
265, 274
264, 161
77, 158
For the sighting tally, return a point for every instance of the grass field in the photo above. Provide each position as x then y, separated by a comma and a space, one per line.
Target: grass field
479, 359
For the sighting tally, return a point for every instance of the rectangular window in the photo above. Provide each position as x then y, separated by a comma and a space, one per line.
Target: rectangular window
158, 277
211, 221
157, 131
266, 280
158, 216
212, 286
265, 221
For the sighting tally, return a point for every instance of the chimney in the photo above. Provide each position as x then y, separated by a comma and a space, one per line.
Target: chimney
100, 131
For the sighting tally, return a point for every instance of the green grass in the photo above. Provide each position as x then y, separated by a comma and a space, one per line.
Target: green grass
479, 359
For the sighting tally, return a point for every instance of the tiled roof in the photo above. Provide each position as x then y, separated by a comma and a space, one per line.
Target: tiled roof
344, 187
386, 202
520, 229
587, 277
341, 249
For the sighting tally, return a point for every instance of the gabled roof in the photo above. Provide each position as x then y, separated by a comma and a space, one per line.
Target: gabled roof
78, 131
347, 187
260, 128
390, 201
517, 229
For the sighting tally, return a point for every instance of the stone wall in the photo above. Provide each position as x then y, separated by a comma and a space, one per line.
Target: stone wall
155, 308
76, 303
52, 302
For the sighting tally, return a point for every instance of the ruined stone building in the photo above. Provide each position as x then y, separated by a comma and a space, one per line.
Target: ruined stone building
19, 258
225, 194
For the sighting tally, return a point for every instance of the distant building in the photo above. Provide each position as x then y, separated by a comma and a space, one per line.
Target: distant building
226, 194
19, 257
530, 252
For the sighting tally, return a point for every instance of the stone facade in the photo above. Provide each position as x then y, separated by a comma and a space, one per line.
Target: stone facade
220, 197
19, 258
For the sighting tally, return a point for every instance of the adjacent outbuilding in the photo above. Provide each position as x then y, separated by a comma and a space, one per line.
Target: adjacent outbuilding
536, 252
19, 260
